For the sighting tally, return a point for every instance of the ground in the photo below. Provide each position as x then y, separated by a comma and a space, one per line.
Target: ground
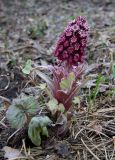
29, 30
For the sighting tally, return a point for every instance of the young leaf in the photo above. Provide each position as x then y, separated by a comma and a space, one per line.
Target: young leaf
42, 86
28, 67
20, 110
96, 89
54, 106
61, 107
66, 83
76, 100
113, 70
38, 127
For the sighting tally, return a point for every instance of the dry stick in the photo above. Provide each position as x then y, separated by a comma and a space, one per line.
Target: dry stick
112, 155
78, 133
92, 143
1, 122
95, 131
104, 148
24, 146
97, 146
13, 135
104, 110
17, 158
17, 49
5, 99
89, 149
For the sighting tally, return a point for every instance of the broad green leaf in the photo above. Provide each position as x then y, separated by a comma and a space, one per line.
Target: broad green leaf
67, 82
21, 110
38, 127
28, 67
28, 104
16, 117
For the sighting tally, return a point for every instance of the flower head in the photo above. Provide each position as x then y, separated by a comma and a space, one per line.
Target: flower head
72, 42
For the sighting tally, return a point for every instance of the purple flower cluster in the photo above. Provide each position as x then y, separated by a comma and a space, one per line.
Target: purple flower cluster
72, 42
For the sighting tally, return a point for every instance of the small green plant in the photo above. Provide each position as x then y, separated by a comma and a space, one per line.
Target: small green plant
95, 91
22, 113
37, 31
113, 70
28, 66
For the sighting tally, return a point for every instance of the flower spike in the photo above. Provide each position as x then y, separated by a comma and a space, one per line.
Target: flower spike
72, 42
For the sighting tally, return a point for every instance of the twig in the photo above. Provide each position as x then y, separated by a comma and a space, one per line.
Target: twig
5, 99
78, 133
3, 124
89, 149
13, 134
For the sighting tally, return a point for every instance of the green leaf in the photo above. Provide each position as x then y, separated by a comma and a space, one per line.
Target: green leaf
67, 82
113, 70
45, 131
28, 67
27, 104
16, 117
42, 86
95, 91
54, 106
21, 110
61, 107
38, 127
76, 100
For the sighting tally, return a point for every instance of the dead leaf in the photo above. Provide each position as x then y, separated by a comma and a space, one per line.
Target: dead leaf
96, 127
63, 149
62, 125
104, 110
12, 153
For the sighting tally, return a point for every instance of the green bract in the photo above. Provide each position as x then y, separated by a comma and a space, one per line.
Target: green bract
54, 106
66, 83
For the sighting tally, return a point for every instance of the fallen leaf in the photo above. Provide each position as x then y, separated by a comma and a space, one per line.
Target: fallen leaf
95, 126
63, 149
12, 153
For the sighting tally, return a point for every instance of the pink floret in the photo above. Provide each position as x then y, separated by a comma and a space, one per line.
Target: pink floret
72, 42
